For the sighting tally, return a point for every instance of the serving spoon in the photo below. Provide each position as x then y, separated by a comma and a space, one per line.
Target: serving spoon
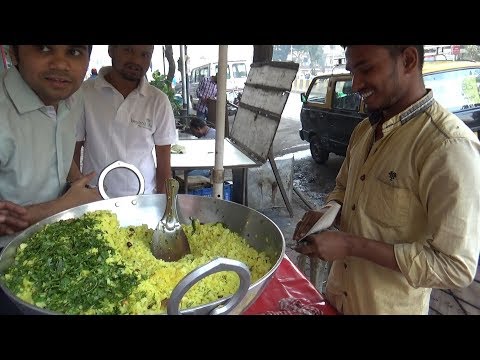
169, 242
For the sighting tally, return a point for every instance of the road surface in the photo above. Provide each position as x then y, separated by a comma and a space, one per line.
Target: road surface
287, 139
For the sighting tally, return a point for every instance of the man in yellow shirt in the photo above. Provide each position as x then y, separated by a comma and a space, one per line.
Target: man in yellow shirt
409, 190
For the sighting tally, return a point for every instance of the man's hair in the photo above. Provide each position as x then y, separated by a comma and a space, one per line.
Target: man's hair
197, 123
396, 50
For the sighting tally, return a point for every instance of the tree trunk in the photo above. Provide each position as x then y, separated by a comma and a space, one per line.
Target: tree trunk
171, 63
262, 53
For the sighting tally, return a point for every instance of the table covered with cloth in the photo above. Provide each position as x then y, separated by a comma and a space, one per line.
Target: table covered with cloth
289, 292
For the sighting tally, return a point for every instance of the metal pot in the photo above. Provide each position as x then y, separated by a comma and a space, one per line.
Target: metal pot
259, 231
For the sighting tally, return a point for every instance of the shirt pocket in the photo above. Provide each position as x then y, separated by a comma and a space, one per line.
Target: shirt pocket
387, 204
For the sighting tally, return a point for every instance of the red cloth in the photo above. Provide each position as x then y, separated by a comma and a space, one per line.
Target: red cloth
288, 282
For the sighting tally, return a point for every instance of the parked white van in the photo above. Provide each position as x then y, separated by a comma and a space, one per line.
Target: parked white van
237, 72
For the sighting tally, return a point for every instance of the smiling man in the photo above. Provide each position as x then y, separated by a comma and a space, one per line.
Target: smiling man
124, 119
408, 190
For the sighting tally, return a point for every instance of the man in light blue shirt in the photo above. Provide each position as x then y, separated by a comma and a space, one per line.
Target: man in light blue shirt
201, 130
38, 113
37, 137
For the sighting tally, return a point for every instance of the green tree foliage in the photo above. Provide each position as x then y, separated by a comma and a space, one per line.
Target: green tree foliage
470, 52
280, 52
313, 52
160, 82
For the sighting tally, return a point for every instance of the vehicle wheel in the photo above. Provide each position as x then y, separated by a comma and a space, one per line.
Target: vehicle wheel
318, 154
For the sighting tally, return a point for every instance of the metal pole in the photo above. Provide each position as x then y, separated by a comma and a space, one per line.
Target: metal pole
184, 85
218, 171
279, 182
305, 201
163, 50
187, 81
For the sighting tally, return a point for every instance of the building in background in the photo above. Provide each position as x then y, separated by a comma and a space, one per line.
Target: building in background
441, 52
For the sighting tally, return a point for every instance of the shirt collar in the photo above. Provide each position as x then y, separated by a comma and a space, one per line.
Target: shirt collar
403, 117
23, 97
101, 82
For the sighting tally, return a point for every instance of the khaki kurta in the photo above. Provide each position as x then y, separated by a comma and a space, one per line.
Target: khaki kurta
418, 189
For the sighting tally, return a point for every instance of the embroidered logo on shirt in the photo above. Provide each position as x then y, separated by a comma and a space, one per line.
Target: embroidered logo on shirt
146, 124
392, 174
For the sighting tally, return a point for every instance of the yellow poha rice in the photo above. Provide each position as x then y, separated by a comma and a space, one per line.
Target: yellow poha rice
154, 279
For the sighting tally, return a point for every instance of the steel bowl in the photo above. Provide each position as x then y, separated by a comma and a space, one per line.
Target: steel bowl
258, 230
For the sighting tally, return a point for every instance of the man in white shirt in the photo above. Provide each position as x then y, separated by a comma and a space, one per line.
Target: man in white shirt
124, 119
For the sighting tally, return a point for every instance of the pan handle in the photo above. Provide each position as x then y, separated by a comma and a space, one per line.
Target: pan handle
115, 165
214, 266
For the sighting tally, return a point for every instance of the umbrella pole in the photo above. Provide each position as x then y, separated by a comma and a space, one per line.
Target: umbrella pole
218, 170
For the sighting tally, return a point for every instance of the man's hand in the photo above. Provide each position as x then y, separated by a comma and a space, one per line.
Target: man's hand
12, 218
327, 245
79, 193
306, 223
310, 218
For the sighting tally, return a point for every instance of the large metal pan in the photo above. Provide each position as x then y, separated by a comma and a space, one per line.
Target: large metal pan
259, 231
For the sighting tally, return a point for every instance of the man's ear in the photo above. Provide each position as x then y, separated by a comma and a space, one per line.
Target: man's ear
110, 50
410, 59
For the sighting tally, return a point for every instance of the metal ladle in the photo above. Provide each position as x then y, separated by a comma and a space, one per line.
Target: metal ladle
169, 241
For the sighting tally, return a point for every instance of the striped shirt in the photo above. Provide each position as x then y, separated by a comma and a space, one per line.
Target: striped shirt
206, 89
